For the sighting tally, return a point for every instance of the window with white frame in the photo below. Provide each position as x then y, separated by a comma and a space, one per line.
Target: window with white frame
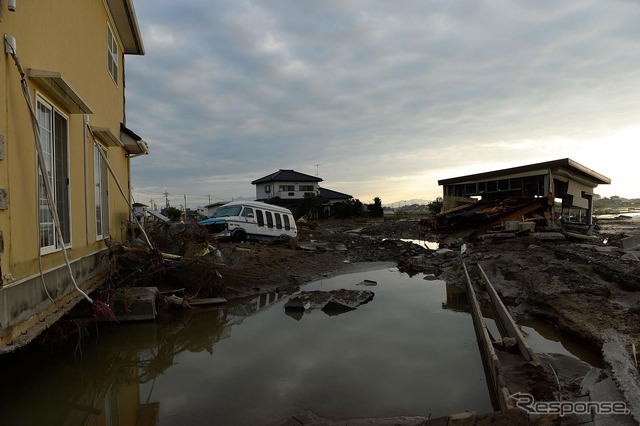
55, 148
101, 191
112, 55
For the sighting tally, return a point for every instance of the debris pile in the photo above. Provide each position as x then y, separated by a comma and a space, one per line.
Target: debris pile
486, 215
184, 256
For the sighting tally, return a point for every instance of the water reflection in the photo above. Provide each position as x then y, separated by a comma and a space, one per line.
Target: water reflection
401, 354
410, 351
431, 245
542, 336
456, 299
100, 381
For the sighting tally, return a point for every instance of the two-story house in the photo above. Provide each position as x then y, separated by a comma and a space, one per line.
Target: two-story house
65, 154
287, 187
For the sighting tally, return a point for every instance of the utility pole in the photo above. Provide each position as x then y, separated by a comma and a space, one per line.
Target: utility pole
317, 167
185, 202
209, 198
166, 198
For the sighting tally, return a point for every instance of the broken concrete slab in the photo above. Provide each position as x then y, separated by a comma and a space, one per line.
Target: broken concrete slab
581, 237
605, 249
549, 236
526, 227
445, 252
368, 283
308, 300
329, 301
594, 376
623, 370
630, 242
462, 419
326, 246
134, 304
344, 300
630, 256
511, 226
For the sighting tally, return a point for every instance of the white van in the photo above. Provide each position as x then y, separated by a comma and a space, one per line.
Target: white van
242, 220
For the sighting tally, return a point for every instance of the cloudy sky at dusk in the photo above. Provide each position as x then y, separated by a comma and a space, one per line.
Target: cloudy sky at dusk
380, 98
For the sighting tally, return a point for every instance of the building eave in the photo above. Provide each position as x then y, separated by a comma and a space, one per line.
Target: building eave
124, 17
55, 85
547, 165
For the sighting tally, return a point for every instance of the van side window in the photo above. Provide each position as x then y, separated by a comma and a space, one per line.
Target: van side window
287, 224
260, 217
278, 220
247, 212
269, 219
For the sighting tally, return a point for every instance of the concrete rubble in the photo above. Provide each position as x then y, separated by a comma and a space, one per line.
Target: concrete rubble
328, 301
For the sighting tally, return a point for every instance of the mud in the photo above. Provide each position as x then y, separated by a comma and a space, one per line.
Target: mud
582, 287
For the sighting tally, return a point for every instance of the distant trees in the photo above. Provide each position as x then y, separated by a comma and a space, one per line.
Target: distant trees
348, 209
375, 209
174, 214
435, 206
310, 206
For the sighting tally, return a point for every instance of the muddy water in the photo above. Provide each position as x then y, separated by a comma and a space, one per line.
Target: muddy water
410, 351
545, 338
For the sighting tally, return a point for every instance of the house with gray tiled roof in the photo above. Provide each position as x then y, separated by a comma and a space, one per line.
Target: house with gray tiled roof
287, 187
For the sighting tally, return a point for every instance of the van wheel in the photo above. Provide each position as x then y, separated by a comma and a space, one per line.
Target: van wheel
239, 237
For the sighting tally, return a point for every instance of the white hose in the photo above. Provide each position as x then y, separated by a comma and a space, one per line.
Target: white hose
43, 170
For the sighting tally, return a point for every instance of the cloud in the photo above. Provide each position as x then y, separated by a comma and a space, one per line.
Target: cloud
374, 91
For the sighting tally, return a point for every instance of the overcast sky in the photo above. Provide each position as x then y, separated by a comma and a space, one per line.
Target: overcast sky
380, 98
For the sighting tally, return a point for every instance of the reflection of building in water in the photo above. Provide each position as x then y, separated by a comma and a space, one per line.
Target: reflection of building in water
252, 306
114, 401
106, 389
456, 299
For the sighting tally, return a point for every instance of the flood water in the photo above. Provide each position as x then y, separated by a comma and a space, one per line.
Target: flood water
410, 351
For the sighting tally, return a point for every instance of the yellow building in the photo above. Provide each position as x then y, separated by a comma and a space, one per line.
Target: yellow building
62, 86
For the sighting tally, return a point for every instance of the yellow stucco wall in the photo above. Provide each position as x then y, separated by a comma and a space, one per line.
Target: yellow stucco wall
68, 37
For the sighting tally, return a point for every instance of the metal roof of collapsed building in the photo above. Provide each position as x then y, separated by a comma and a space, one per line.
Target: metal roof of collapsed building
530, 169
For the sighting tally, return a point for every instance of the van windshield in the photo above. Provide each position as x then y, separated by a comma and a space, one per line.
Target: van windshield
227, 211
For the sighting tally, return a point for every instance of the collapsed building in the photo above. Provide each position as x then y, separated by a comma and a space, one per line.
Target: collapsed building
540, 193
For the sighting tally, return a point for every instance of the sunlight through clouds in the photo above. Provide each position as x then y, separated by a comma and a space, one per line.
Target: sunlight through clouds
389, 97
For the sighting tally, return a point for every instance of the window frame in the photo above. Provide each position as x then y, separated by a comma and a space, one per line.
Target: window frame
246, 211
100, 192
59, 163
112, 54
